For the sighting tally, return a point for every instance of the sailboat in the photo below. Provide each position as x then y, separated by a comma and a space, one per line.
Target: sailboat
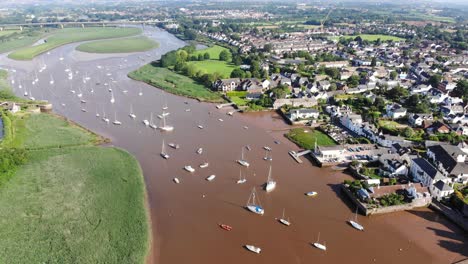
151, 124
204, 165
164, 113
189, 168
97, 113
140, 93
270, 184
174, 145
354, 223
284, 221
242, 161
116, 122
268, 156
104, 118
132, 115
146, 122
241, 180
252, 204
163, 151
211, 177
318, 245
165, 127
51, 80
199, 151
112, 98
176, 180
80, 94
253, 249
165, 102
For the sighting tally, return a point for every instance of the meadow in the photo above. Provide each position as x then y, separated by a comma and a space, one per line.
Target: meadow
305, 138
70, 35
211, 66
124, 45
174, 83
13, 41
213, 51
370, 37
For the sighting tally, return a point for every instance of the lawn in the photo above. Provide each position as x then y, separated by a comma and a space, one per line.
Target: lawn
370, 37
80, 204
7, 32
213, 51
174, 83
26, 38
391, 125
74, 205
70, 35
305, 138
125, 45
238, 97
211, 66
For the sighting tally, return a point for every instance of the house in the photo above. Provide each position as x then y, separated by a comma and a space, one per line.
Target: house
460, 129
323, 85
226, 85
422, 171
395, 111
452, 109
446, 86
416, 120
333, 64
295, 102
392, 165
438, 127
330, 152
450, 160
14, 108
441, 189
389, 140
352, 122
420, 89
297, 114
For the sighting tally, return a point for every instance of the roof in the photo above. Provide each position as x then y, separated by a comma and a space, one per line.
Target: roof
447, 156
442, 186
428, 168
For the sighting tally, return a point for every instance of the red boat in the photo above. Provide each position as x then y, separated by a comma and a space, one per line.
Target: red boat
226, 227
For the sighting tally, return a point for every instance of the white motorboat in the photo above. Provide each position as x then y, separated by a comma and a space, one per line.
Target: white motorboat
220, 120
204, 165
242, 161
174, 146
189, 168
284, 221
354, 223
270, 185
211, 177
253, 249
199, 151
312, 194
267, 148
253, 204
200, 126
146, 122
176, 180
83, 101
318, 245
116, 122
163, 151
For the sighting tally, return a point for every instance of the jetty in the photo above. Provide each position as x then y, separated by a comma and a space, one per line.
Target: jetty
224, 105
297, 155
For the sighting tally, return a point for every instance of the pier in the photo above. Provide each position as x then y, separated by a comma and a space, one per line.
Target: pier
297, 155
224, 105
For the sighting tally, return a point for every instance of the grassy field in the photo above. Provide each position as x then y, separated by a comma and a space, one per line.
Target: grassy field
238, 97
81, 204
213, 51
8, 32
174, 83
45, 131
305, 138
24, 39
212, 66
391, 125
135, 44
370, 37
70, 35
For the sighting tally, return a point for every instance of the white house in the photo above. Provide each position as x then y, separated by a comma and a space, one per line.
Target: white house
423, 171
416, 120
440, 190
451, 161
353, 122
330, 152
302, 113
395, 111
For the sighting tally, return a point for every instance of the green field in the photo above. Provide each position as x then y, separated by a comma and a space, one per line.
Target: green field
81, 204
125, 45
370, 37
8, 32
305, 138
70, 35
212, 66
15, 41
174, 83
213, 51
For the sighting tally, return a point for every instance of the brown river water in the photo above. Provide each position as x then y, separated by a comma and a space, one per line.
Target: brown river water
185, 216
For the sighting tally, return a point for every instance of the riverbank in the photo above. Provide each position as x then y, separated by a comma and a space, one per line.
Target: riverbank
66, 203
174, 83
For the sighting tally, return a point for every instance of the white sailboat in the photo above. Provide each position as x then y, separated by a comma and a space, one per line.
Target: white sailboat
141, 92
354, 223
284, 221
166, 127
51, 80
241, 180
268, 156
104, 117
189, 168
253, 204
204, 165
253, 249
112, 100
270, 185
174, 145
116, 122
176, 180
211, 177
151, 123
146, 122
165, 102
132, 115
163, 151
318, 245
200, 126
80, 94
199, 151
242, 161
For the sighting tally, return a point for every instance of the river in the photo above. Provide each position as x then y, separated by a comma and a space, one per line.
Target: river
185, 216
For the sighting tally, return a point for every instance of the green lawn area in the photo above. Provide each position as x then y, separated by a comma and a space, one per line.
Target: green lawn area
391, 125
76, 204
124, 45
305, 138
211, 66
7, 32
213, 51
174, 83
238, 97
70, 35
15, 41
370, 37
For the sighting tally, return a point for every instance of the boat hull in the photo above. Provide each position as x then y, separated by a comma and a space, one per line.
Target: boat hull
256, 209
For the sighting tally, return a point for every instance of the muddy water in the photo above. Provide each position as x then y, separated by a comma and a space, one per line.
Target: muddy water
185, 217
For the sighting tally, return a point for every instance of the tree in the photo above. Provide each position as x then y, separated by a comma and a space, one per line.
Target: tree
461, 90
267, 47
280, 91
190, 34
353, 81
206, 56
238, 73
373, 62
224, 55
168, 59
393, 75
332, 72
434, 80
200, 57
408, 132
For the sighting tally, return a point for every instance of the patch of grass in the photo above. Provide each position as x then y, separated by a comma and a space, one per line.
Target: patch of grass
391, 126
7, 32
211, 66
305, 138
16, 40
124, 45
74, 205
370, 37
239, 101
237, 93
213, 51
46, 131
70, 35
174, 83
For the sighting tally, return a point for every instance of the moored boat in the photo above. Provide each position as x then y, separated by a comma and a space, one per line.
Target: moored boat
253, 249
